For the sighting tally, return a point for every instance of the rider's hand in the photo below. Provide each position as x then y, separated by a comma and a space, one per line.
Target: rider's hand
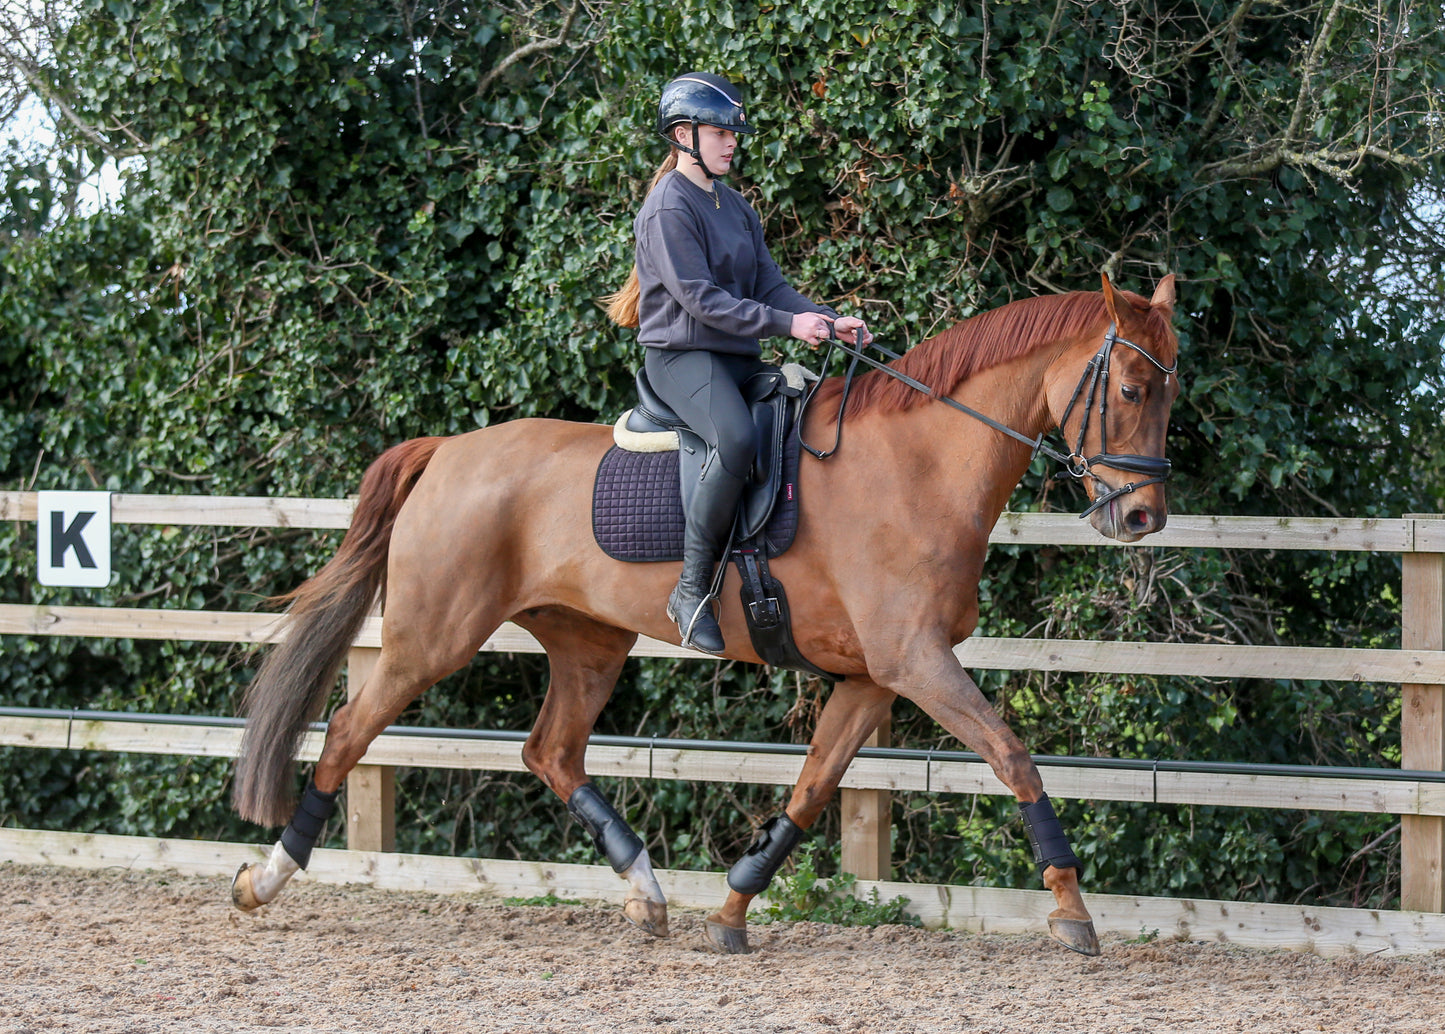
810, 327
849, 328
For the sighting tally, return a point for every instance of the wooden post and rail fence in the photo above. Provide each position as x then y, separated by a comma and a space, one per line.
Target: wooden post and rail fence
1416, 792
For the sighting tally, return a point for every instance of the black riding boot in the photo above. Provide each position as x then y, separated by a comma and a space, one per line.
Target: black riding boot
710, 513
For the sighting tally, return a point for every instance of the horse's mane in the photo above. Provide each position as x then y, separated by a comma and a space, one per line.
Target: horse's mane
979, 343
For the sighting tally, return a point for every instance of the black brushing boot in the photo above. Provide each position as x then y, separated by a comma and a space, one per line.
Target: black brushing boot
710, 513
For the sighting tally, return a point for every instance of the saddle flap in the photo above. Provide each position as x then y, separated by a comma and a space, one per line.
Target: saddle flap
772, 416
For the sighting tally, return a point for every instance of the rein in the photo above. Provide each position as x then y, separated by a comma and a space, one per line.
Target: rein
1095, 377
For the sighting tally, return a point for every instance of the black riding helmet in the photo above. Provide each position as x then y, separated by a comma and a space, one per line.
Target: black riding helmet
700, 98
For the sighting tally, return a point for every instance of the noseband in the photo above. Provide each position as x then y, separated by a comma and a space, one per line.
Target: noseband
1093, 386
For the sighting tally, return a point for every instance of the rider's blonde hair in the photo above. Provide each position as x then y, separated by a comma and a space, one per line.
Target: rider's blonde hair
622, 306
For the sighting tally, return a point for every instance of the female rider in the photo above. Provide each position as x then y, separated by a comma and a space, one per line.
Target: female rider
703, 290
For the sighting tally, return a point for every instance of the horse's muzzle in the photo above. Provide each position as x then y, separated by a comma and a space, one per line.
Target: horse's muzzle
1125, 513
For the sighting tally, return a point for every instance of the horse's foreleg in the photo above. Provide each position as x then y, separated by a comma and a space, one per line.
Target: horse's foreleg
853, 710
952, 698
586, 658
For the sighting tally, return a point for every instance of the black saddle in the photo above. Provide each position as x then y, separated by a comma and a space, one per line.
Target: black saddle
640, 491
773, 402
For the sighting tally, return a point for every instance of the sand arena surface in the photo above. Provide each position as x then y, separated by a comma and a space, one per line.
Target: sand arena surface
114, 951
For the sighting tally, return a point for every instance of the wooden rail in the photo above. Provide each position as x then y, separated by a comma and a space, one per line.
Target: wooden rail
1325, 931
1390, 793
1370, 535
1343, 664
1419, 667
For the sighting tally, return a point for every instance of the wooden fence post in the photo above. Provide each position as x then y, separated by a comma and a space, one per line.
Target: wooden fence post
370, 789
1422, 728
867, 822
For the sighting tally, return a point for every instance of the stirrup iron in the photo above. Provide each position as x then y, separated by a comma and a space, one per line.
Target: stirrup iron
704, 604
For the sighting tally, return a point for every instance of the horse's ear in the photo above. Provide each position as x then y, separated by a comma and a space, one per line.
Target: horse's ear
1112, 300
1164, 294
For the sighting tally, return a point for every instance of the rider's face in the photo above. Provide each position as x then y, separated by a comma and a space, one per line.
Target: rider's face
717, 146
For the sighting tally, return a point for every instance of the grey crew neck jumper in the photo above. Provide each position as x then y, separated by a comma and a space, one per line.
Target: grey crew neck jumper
707, 280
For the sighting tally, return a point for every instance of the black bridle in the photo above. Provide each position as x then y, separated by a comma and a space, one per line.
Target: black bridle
1093, 387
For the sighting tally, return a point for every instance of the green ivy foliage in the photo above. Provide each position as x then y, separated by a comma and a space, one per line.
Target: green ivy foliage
339, 226
801, 896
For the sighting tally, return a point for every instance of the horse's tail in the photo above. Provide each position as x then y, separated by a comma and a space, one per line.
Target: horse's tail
298, 674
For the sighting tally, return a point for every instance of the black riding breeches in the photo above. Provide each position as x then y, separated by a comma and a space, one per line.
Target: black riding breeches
705, 389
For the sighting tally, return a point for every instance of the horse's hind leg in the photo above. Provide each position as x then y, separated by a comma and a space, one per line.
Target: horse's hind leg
412, 660
585, 659
853, 710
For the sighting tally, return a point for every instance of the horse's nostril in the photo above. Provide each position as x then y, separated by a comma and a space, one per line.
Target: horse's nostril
1138, 520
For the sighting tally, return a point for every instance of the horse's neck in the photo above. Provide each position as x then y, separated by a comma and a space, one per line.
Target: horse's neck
1013, 395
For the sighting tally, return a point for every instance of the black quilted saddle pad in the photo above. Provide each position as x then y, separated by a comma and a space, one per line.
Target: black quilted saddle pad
637, 506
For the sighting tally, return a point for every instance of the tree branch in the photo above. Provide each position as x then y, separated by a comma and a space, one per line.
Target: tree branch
1235, 29
527, 50
1307, 72
1393, 132
31, 73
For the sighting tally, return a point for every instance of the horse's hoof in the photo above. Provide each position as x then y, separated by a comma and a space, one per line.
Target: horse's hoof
1075, 934
242, 894
730, 940
647, 916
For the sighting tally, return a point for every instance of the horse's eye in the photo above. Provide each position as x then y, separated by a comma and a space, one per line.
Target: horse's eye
1130, 393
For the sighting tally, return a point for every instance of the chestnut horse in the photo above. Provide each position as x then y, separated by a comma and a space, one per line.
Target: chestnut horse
460, 534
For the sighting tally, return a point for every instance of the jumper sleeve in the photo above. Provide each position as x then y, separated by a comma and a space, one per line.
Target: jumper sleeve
773, 290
